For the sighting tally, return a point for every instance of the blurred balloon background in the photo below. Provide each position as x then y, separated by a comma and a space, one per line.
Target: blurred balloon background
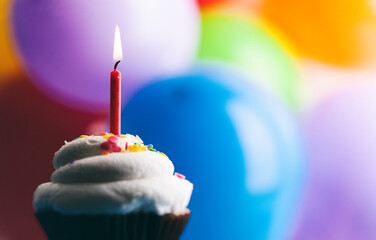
267, 106
247, 165
251, 46
80, 44
347, 153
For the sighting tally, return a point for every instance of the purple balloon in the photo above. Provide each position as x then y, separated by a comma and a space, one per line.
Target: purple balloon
341, 195
67, 46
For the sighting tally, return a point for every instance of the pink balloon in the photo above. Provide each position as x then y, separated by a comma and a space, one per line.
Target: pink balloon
67, 45
341, 195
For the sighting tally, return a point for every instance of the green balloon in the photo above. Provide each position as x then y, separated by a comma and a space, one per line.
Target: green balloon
251, 46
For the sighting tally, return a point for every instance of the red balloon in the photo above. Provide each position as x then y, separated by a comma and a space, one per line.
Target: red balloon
203, 3
229, 4
32, 129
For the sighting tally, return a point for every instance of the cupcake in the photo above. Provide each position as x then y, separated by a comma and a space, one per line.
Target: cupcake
115, 188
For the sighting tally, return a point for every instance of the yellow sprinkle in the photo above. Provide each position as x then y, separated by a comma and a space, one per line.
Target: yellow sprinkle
123, 151
135, 148
123, 136
106, 137
163, 154
111, 134
84, 136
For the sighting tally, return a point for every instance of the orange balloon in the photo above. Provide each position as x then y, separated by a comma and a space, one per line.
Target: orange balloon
9, 66
341, 32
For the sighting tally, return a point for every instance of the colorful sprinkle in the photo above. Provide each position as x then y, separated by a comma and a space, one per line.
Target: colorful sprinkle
179, 175
100, 134
113, 140
115, 148
135, 148
111, 144
132, 148
106, 145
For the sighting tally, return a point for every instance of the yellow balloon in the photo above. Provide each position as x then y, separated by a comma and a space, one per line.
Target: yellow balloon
9, 66
340, 32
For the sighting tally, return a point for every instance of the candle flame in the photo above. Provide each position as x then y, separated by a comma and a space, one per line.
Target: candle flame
118, 51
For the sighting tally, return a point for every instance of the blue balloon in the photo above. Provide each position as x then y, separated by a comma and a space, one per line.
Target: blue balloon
240, 147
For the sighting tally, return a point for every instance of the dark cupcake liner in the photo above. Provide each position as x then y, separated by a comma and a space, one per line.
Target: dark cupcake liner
132, 226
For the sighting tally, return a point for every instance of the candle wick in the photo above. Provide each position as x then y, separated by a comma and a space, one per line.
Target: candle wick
116, 64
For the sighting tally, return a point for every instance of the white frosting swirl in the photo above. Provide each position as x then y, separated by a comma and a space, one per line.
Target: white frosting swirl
87, 182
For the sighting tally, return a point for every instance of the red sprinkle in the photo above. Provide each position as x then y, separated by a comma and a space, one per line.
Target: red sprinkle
179, 175
106, 145
115, 148
126, 146
113, 140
